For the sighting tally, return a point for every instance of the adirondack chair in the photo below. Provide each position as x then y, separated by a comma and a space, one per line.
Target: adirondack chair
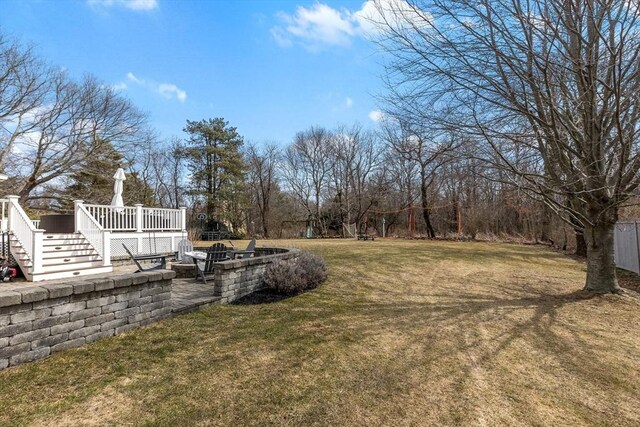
160, 258
184, 245
215, 253
251, 248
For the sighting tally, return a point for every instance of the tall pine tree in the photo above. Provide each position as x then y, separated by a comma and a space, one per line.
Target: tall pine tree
215, 162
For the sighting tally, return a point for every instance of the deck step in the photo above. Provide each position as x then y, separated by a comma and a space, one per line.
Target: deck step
67, 246
48, 236
58, 242
64, 255
71, 259
59, 265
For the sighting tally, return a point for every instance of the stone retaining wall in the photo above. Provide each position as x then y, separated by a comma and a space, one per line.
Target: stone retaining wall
234, 279
36, 321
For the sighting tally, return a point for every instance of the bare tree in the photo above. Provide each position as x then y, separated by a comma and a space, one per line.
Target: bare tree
262, 165
427, 148
158, 166
70, 127
307, 166
173, 169
357, 158
24, 80
556, 83
401, 195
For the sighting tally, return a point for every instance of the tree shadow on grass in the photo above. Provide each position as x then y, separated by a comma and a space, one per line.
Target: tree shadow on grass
547, 332
629, 280
490, 324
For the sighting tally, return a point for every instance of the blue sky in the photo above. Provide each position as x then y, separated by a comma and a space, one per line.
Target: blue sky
271, 68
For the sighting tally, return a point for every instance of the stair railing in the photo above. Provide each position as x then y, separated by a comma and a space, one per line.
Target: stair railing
91, 229
4, 222
29, 237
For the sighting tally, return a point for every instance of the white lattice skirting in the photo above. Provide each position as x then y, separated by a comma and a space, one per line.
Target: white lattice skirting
145, 243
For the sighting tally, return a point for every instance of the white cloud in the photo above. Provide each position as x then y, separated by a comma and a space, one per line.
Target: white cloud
315, 27
169, 90
280, 36
133, 78
128, 4
337, 102
141, 4
367, 16
376, 115
166, 90
322, 26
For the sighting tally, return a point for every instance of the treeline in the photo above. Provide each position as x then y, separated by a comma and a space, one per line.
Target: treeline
348, 180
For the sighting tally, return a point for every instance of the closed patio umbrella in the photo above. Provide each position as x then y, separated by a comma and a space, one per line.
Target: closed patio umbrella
117, 201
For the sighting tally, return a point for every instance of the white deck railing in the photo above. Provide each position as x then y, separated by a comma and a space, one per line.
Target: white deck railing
28, 235
87, 225
137, 218
157, 219
114, 219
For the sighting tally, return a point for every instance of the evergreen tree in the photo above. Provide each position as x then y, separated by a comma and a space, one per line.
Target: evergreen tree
214, 159
94, 182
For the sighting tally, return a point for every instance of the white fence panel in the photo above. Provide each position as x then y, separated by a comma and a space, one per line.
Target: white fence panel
627, 246
165, 242
117, 251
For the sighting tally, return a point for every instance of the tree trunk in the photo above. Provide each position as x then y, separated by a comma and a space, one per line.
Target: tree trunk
425, 208
581, 244
545, 226
601, 267
26, 191
265, 220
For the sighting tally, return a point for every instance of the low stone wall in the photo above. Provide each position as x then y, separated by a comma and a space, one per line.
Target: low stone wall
36, 321
270, 251
234, 279
184, 271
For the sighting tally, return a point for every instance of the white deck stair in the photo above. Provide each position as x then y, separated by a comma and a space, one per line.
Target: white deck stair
63, 255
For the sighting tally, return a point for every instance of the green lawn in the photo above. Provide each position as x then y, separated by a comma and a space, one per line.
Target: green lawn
402, 333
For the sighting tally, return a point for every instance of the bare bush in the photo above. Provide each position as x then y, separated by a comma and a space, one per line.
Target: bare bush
297, 275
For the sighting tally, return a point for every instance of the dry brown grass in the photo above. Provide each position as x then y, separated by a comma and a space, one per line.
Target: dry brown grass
402, 333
